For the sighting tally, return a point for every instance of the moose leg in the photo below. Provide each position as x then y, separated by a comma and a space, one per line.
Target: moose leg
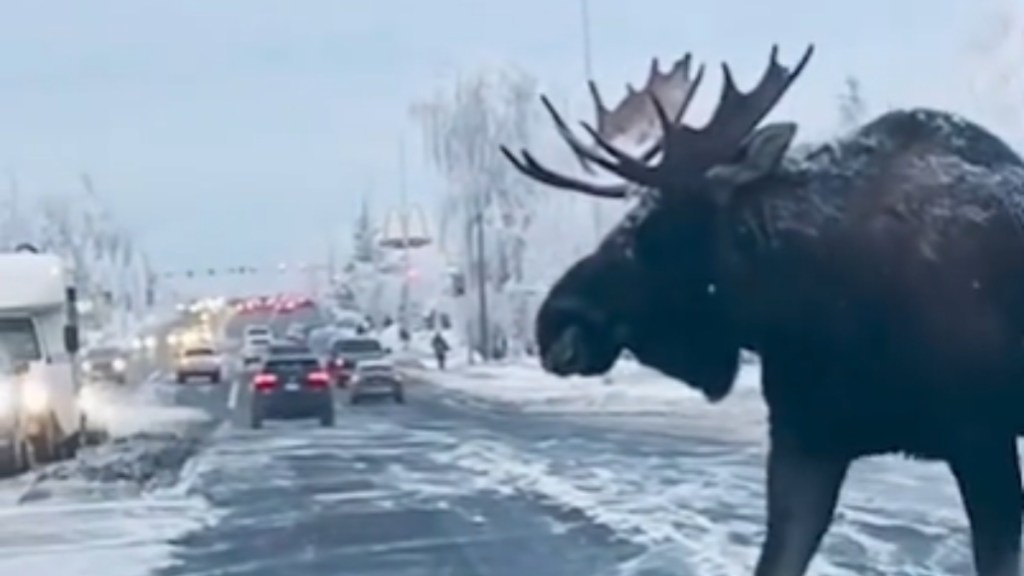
988, 475
802, 494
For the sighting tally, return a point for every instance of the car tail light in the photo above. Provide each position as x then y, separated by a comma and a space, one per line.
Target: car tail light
264, 382
318, 379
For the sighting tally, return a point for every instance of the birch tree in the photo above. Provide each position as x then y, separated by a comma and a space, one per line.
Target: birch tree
486, 203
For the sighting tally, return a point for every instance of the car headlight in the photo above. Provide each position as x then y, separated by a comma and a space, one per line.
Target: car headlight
118, 364
150, 342
35, 397
86, 365
137, 343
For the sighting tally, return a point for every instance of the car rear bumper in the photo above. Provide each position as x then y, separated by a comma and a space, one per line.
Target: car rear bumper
284, 404
198, 372
375, 386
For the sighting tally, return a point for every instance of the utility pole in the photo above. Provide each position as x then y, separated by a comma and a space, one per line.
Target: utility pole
481, 274
588, 71
332, 270
403, 215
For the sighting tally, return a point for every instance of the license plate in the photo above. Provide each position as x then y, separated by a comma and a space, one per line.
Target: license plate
292, 386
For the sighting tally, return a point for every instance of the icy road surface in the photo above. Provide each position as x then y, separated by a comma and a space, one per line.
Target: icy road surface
451, 484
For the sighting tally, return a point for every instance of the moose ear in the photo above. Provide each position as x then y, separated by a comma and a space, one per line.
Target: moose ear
759, 155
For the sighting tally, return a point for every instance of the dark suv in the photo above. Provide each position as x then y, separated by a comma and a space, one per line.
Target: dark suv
291, 386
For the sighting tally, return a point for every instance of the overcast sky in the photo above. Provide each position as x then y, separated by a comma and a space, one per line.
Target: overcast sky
244, 131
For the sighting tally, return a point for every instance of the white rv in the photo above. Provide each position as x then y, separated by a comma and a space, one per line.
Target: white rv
41, 417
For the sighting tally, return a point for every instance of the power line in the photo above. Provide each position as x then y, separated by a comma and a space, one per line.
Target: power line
588, 71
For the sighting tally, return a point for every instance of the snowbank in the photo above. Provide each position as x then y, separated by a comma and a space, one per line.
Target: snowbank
628, 389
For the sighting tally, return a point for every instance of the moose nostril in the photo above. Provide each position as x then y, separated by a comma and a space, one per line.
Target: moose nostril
564, 351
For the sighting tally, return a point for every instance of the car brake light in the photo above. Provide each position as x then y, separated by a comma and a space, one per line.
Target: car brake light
264, 382
318, 379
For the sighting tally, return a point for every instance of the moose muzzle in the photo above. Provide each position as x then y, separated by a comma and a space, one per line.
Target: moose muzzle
567, 354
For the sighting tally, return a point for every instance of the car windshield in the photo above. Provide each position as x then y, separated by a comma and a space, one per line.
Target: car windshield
104, 353
357, 346
18, 342
285, 349
292, 364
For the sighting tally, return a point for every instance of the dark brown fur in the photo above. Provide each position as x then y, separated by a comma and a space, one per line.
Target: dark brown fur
881, 280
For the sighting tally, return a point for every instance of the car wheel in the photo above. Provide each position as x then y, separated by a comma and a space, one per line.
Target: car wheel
94, 437
400, 397
215, 378
68, 448
181, 378
13, 458
255, 418
43, 447
327, 419
88, 436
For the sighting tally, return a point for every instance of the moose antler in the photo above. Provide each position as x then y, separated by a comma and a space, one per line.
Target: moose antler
635, 115
685, 149
692, 151
735, 117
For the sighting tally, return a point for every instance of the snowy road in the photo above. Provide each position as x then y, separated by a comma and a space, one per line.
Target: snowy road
446, 485
375, 496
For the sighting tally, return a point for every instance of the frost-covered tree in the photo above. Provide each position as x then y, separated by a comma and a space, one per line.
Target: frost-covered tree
364, 236
361, 284
486, 203
852, 107
108, 269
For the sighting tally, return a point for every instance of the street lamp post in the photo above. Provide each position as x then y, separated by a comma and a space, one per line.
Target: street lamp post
403, 215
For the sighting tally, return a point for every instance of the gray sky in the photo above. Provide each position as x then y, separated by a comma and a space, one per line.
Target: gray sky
244, 131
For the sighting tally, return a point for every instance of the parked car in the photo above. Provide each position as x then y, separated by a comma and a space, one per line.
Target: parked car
376, 378
347, 353
291, 386
199, 362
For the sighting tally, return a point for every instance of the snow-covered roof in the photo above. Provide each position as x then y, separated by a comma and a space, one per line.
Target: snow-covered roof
31, 280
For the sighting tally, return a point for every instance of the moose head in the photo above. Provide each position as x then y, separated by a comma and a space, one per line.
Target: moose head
653, 286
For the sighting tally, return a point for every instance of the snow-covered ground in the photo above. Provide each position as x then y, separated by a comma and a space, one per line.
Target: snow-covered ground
629, 390
684, 479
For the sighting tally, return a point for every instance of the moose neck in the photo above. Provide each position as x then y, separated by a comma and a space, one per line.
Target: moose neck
766, 242
689, 334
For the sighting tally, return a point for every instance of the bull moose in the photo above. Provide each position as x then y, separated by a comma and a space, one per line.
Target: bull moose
880, 278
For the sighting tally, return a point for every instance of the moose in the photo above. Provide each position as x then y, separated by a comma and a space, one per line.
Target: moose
879, 278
